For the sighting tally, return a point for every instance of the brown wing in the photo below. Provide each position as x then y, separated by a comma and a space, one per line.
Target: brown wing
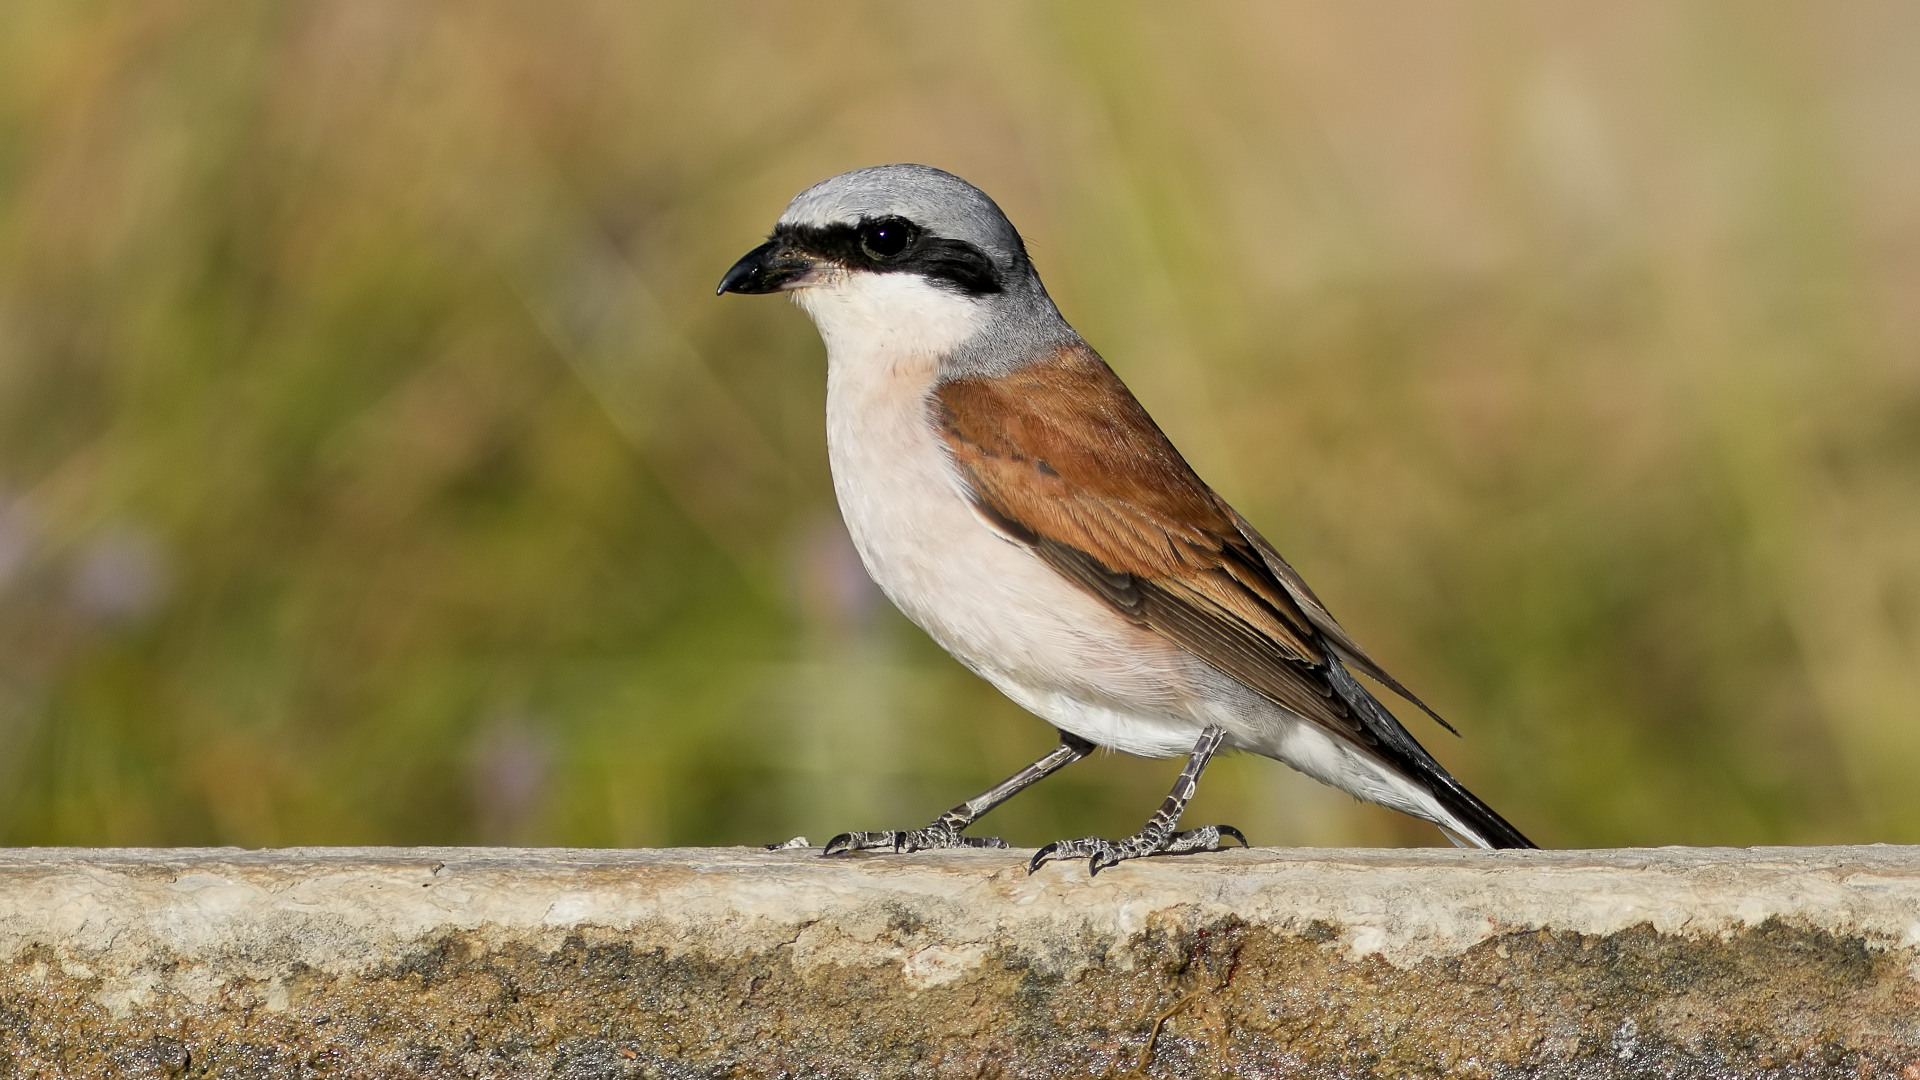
1061, 456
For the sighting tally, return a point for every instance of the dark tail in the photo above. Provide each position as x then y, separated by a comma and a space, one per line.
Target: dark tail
1400, 748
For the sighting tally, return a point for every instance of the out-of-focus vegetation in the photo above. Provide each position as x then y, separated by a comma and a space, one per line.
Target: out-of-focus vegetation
376, 464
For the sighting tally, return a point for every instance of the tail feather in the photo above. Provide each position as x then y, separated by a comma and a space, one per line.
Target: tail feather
1484, 827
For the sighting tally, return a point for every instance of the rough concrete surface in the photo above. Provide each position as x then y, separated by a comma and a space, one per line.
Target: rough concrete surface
732, 962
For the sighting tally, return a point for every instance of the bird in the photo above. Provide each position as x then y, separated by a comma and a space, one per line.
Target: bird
1011, 496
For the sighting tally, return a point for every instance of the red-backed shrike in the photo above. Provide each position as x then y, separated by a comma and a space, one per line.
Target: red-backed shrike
1005, 489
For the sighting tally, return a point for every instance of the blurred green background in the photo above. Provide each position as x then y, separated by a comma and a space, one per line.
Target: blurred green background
377, 466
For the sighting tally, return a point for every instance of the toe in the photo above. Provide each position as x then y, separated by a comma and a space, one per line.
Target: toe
932, 838
863, 841
1208, 838
1071, 849
1064, 849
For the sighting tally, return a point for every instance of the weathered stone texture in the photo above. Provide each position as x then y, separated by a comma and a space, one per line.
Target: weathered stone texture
724, 963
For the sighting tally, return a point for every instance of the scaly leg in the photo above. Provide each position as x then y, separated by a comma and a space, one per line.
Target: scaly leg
945, 830
1158, 837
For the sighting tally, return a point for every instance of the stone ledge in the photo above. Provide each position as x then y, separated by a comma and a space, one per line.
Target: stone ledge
450, 962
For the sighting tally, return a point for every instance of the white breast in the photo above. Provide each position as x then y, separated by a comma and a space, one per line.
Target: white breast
990, 602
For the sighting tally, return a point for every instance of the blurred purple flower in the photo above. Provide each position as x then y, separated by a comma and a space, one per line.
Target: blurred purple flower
833, 586
119, 576
511, 762
16, 537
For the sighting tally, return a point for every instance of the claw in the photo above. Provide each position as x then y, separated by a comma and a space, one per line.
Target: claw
1040, 857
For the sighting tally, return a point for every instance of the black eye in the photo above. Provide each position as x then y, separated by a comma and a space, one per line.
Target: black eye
887, 237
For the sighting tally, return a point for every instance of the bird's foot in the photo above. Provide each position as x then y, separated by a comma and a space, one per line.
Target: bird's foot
937, 835
1152, 840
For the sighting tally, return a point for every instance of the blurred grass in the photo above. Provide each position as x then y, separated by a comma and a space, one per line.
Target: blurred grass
377, 467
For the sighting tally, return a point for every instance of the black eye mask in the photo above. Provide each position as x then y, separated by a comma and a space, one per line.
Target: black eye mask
894, 245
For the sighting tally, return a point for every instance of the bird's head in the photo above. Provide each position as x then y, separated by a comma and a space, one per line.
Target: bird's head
903, 253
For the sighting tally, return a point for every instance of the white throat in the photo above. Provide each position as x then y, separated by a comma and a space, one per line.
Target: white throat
889, 318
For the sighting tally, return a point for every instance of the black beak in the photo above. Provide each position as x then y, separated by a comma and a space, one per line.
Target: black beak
768, 268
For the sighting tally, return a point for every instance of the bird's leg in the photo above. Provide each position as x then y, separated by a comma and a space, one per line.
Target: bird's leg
945, 830
1158, 836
